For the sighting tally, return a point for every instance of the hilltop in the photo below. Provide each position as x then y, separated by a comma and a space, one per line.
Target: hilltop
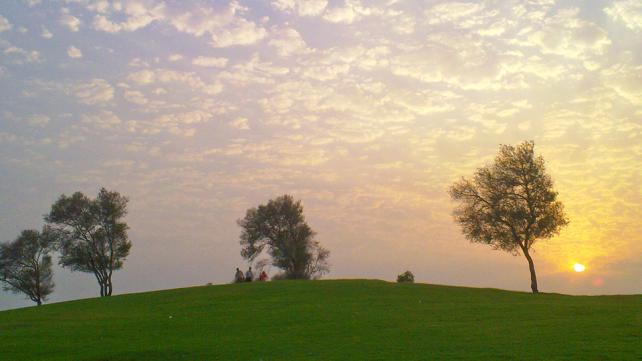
327, 320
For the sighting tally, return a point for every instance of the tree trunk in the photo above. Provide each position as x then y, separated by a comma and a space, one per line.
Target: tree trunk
531, 267
39, 302
108, 287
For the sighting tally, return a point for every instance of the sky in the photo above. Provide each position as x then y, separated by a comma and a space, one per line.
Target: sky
366, 111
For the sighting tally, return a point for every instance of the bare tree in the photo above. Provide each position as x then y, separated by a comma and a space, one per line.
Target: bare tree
92, 237
280, 228
25, 264
510, 204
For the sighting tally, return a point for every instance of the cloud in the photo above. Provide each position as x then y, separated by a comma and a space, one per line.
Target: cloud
5, 25
566, 34
175, 57
71, 22
138, 14
454, 12
94, 92
39, 120
103, 119
240, 123
32, 3
243, 32
74, 53
168, 76
46, 33
22, 56
628, 12
224, 24
302, 7
288, 41
211, 62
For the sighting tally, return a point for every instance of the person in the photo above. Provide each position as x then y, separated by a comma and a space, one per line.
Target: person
249, 276
263, 276
238, 277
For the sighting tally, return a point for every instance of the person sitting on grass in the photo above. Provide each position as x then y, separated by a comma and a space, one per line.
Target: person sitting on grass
263, 276
238, 277
249, 276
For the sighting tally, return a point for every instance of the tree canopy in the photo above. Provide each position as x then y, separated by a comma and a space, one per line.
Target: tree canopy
25, 264
92, 236
510, 204
279, 227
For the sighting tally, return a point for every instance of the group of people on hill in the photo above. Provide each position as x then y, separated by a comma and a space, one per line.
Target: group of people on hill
248, 276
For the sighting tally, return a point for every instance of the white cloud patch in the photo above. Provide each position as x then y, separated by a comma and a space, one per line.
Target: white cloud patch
225, 25
454, 12
629, 12
94, 92
568, 35
175, 57
301, 7
39, 120
70, 22
45, 33
74, 53
5, 25
210, 62
168, 76
240, 123
21, 56
138, 15
103, 119
288, 41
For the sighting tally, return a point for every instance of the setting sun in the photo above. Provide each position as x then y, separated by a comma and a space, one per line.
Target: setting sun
578, 267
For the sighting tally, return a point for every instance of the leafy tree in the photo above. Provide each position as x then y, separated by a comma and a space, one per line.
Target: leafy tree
406, 277
25, 264
280, 227
510, 204
93, 238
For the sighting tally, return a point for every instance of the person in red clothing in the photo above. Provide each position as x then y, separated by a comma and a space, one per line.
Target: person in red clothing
263, 276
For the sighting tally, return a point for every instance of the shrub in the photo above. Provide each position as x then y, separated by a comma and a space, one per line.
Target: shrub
406, 277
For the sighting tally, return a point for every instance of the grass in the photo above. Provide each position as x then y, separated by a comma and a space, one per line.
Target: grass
327, 320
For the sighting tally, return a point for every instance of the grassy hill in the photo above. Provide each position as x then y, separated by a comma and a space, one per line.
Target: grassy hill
327, 320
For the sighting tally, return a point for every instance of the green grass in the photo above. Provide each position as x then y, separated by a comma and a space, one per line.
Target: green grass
327, 320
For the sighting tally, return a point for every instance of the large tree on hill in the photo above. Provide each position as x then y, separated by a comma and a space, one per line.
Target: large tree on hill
510, 204
92, 236
25, 264
280, 228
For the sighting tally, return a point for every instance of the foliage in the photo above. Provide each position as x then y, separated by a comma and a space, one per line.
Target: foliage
92, 237
510, 204
326, 320
25, 264
280, 228
406, 277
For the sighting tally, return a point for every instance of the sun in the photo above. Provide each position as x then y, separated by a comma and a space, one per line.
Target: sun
578, 267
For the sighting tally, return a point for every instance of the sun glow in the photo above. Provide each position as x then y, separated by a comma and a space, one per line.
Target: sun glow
578, 267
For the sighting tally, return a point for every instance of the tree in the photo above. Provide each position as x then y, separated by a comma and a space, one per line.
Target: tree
280, 227
25, 264
406, 277
92, 237
510, 204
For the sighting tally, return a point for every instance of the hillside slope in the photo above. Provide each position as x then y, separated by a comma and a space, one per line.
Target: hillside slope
327, 320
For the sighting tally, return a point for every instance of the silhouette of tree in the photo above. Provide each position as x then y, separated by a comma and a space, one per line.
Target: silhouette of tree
92, 237
406, 277
510, 204
25, 264
279, 227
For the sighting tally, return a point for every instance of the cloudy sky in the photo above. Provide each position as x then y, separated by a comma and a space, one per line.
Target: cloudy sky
365, 110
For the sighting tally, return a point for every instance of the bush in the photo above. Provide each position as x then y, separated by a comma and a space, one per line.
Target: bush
406, 277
